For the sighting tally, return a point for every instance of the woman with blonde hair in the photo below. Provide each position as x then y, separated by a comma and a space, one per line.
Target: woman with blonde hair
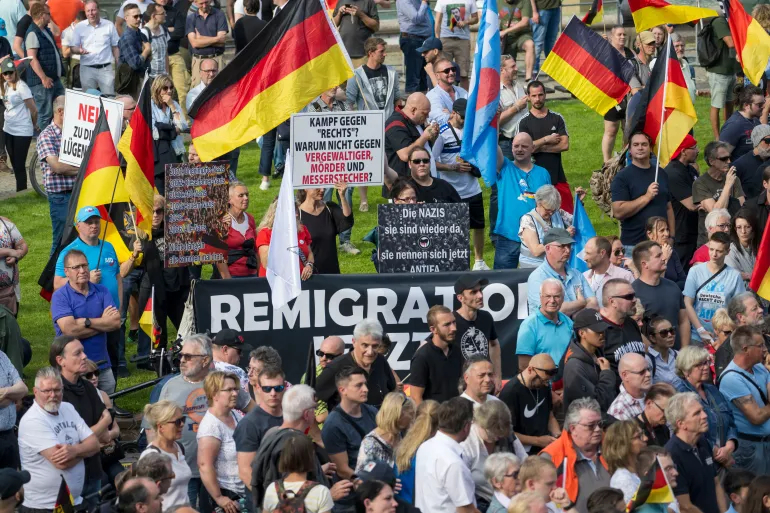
395, 416
424, 428
167, 421
528, 502
623, 442
265, 233
168, 123
723, 327
240, 236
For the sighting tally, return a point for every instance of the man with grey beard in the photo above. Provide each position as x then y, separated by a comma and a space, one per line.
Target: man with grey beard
749, 167
53, 441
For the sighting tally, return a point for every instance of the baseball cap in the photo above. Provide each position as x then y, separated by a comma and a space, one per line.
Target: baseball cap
3, 30
591, 319
232, 338
468, 281
7, 65
85, 213
377, 471
459, 106
759, 133
688, 142
558, 235
432, 43
11, 482
646, 37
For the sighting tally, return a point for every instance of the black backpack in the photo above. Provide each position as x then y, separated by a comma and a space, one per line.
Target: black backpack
709, 48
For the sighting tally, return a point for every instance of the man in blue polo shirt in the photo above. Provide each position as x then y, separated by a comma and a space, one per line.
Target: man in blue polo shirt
87, 311
744, 383
517, 182
577, 291
547, 330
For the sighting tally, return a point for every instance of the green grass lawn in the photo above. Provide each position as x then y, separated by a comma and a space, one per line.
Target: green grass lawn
30, 213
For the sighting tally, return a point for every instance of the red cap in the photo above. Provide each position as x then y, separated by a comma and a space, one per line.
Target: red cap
689, 142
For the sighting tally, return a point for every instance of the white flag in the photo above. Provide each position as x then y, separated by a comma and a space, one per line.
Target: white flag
283, 273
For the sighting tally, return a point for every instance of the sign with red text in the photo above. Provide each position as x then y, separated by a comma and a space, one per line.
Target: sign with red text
81, 111
331, 147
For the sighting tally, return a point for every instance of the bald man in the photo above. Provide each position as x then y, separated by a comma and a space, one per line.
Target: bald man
623, 335
129, 105
331, 348
528, 396
636, 379
405, 130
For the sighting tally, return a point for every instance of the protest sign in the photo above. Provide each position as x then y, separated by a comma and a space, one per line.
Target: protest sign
331, 147
196, 202
333, 304
81, 111
427, 237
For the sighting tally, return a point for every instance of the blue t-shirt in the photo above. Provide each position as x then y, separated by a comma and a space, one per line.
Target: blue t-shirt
631, 183
109, 264
716, 294
734, 386
516, 190
573, 280
737, 132
339, 435
538, 334
67, 302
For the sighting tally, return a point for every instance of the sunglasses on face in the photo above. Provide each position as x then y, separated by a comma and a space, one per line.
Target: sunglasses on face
158, 210
618, 252
91, 375
667, 332
269, 388
724, 159
448, 71
328, 356
421, 161
178, 422
548, 372
627, 297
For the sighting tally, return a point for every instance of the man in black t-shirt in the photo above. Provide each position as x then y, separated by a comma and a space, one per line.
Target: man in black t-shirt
247, 27
623, 335
437, 365
429, 189
528, 396
476, 333
374, 85
404, 132
750, 165
549, 135
681, 175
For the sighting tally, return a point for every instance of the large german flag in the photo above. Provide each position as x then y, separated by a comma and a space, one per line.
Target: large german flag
752, 44
651, 13
296, 57
665, 111
595, 14
654, 489
589, 67
760, 278
137, 148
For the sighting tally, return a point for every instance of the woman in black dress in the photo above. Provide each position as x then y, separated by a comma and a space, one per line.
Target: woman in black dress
324, 221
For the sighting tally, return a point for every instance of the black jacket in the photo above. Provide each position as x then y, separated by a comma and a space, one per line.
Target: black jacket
380, 380
583, 378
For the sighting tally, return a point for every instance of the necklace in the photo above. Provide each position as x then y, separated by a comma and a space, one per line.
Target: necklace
536, 395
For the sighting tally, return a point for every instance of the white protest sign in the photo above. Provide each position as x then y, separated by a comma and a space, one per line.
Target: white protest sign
80, 114
331, 147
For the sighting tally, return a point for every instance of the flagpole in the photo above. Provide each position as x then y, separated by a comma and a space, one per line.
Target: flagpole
101, 247
663, 107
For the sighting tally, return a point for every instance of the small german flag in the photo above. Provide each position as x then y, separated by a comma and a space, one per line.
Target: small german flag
589, 67
595, 14
148, 323
296, 57
752, 43
654, 489
665, 111
651, 13
64, 502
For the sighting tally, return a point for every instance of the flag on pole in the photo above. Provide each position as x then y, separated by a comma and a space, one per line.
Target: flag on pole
760, 278
148, 322
665, 111
654, 489
589, 67
296, 57
137, 147
651, 13
752, 43
595, 14
282, 270
479, 145
584, 231
64, 502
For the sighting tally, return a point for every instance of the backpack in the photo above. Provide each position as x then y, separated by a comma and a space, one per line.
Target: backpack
709, 48
601, 181
290, 502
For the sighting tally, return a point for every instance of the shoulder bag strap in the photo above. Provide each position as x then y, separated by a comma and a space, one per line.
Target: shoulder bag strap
351, 421
709, 280
728, 371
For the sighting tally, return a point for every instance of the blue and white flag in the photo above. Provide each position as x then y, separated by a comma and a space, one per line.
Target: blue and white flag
584, 231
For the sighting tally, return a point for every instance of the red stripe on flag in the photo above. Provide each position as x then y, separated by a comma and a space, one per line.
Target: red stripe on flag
585, 64
636, 5
103, 154
488, 89
141, 142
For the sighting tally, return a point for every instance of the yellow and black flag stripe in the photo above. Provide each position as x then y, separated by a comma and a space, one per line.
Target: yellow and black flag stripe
296, 57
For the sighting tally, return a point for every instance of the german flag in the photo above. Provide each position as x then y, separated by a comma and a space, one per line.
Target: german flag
752, 43
665, 111
64, 502
760, 278
296, 57
137, 148
654, 489
148, 322
651, 13
589, 67
595, 14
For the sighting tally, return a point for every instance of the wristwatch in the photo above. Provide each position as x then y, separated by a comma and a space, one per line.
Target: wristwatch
88, 322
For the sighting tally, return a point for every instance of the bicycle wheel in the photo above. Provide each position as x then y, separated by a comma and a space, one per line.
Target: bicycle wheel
36, 176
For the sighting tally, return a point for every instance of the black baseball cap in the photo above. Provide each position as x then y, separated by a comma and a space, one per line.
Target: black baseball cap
231, 338
377, 471
432, 43
468, 281
11, 482
459, 106
558, 235
591, 319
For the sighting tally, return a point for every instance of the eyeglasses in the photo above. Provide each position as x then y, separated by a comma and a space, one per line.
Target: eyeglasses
592, 426
670, 332
627, 297
723, 226
548, 372
158, 210
78, 267
420, 161
448, 71
328, 356
186, 356
91, 375
177, 422
704, 363
269, 388
209, 70
512, 475
618, 252
642, 372
135, 16
165, 88
727, 333
766, 140
728, 158
50, 391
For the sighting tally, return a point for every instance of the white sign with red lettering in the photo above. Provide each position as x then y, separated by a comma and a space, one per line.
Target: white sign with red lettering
332, 147
81, 111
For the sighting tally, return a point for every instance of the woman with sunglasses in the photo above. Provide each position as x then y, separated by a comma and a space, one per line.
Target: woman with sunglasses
535, 224
744, 238
168, 123
661, 353
693, 366
167, 421
324, 221
428, 188
395, 416
19, 122
652, 420
502, 472
623, 441
657, 231
264, 234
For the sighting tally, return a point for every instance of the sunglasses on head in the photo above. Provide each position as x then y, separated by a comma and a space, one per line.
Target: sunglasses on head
269, 388
321, 354
667, 332
421, 161
91, 375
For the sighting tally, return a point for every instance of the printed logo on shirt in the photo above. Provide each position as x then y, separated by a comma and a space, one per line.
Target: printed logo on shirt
530, 413
474, 342
195, 407
454, 13
109, 261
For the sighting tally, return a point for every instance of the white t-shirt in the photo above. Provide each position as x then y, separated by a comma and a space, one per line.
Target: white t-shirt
318, 499
226, 464
177, 492
38, 431
446, 150
18, 119
454, 11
